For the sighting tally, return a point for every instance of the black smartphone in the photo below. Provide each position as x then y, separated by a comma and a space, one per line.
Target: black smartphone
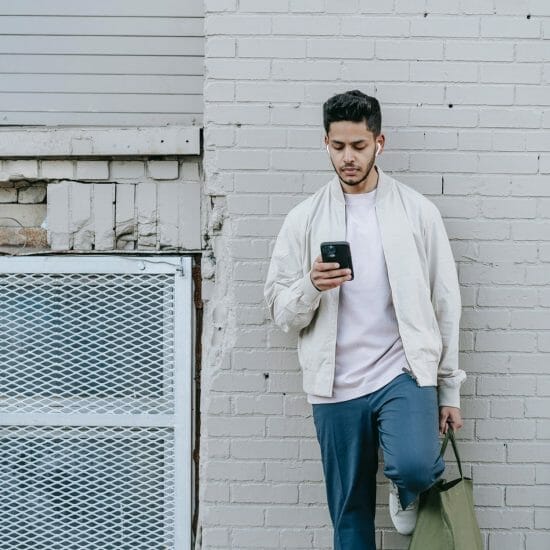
337, 251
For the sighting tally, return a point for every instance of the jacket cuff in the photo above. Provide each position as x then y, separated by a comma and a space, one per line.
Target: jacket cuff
309, 292
449, 396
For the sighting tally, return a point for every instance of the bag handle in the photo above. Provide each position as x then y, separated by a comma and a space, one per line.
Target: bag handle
451, 435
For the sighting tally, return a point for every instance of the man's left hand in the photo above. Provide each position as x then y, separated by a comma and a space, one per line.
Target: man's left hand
449, 416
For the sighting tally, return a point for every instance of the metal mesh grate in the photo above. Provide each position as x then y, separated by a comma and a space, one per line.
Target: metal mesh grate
67, 488
78, 343
95, 403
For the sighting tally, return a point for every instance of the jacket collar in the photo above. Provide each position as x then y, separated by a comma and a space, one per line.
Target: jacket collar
383, 187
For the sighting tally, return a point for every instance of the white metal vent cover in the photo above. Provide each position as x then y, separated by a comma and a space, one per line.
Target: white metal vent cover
95, 403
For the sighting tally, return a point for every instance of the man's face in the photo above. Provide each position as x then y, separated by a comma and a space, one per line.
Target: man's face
352, 150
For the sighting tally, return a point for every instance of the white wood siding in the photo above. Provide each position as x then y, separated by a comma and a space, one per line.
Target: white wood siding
101, 63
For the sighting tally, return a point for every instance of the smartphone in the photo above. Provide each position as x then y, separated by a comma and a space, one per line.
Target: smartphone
337, 251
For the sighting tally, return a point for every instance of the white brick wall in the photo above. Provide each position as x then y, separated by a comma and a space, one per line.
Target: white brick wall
465, 99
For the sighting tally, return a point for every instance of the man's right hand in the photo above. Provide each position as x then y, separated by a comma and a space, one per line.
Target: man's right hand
325, 276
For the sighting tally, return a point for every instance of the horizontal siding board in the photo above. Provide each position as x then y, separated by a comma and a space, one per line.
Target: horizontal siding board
101, 64
102, 26
160, 140
158, 8
107, 62
102, 45
101, 84
105, 103
99, 119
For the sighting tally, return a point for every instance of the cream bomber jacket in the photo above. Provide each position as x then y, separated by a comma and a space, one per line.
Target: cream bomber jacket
422, 276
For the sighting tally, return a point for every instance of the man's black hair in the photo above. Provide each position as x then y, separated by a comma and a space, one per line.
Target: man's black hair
354, 106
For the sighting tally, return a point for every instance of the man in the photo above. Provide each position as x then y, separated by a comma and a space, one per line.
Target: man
379, 353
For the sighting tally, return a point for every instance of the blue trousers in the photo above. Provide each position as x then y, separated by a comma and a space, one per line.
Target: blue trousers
402, 418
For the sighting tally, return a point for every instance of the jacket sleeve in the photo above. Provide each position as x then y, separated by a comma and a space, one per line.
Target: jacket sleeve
290, 295
445, 293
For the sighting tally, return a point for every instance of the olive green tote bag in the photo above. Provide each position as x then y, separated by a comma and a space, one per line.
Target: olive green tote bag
446, 516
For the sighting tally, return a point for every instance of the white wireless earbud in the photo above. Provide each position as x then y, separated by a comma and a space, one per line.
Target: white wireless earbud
328, 150
377, 150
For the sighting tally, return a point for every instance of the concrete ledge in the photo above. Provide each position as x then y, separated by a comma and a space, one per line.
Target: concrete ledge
40, 142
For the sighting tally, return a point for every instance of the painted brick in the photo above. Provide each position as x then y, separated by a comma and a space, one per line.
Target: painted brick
445, 27
479, 95
528, 496
509, 27
508, 408
19, 169
8, 195
265, 449
415, 50
238, 115
504, 341
220, 46
477, 6
528, 452
216, 492
499, 541
310, 25
261, 137
444, 117
509, 208
488, 496
163, 169
511, 73
265, 404
463, 50
439, 162
512, 385
215, 537
57, 169
239, 68
27, 215
375, 26
284, 516
230, 24
92, 170
536, 541
219, 91
314, 70
508, 429
127, 169
340, 48
309, 6
507, 297
189, 171
272, 47
256, 538
235, 516
542, 518
509, 118
58, 220
103, 216
294, 115
220, 5
297, 538
81, 215
272, 91
280, 493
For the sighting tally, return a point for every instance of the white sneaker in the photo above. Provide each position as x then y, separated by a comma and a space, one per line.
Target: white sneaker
404, 521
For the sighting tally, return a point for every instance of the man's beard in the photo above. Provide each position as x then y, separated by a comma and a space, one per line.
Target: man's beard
352, 183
